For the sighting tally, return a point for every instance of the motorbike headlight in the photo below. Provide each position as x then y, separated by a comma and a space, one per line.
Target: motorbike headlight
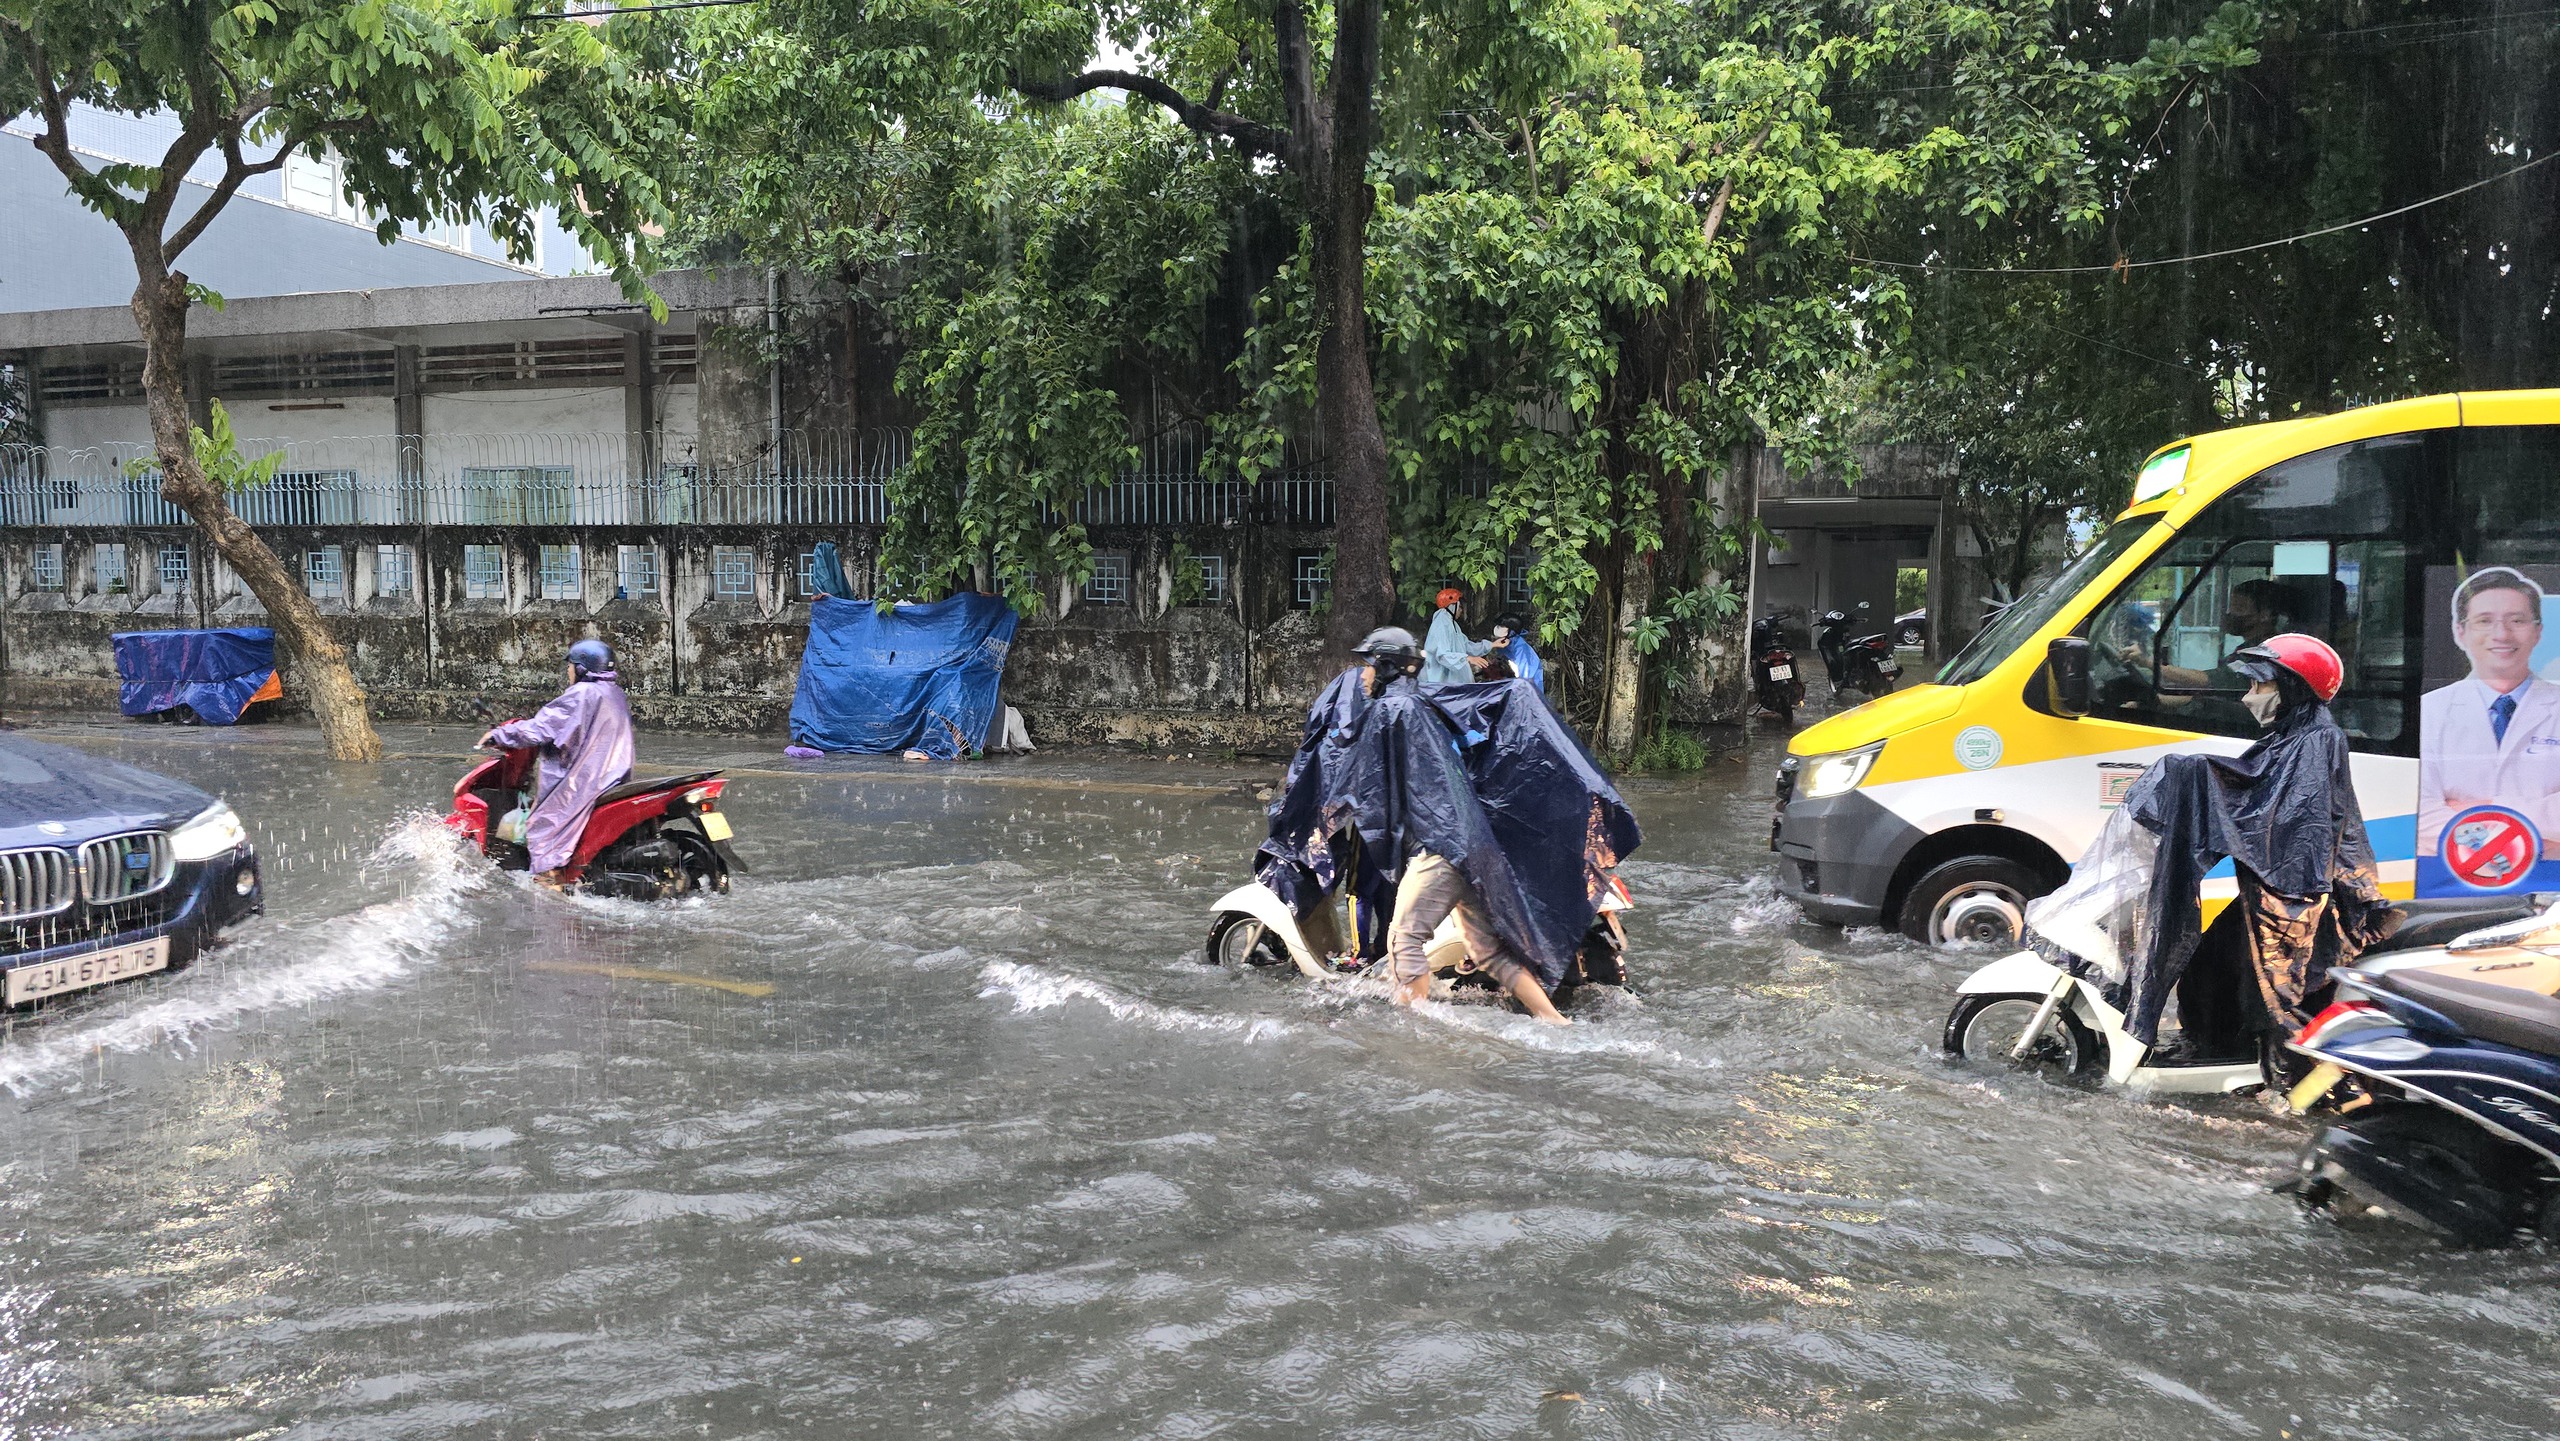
1838, 773
210, 834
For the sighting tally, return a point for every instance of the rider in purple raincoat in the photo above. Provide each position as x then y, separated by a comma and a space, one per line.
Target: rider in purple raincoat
585, 737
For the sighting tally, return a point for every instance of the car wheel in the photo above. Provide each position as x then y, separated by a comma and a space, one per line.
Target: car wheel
1975, 900
1911, 635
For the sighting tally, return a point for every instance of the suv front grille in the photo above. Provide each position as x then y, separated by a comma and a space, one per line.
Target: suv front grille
38, 881
119, 868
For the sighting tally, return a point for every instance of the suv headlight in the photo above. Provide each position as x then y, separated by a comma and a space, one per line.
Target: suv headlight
1837, 773
213, 833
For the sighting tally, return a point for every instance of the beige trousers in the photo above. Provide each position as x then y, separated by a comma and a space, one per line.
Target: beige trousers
1430, 890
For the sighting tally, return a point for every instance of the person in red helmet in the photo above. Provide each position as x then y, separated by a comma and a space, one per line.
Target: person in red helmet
2284, 813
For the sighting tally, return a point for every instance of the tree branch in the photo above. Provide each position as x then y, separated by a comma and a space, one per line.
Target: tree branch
1249, 135
235, 172
1309, 124
1724, 192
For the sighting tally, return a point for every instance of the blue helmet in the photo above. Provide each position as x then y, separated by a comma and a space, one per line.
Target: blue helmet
591, 657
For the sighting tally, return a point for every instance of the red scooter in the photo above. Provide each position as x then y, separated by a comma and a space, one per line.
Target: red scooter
646, 840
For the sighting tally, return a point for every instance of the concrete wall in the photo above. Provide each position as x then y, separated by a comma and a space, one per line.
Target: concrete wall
1231, 673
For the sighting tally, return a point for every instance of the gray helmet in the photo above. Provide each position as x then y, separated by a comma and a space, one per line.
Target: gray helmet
1389, 642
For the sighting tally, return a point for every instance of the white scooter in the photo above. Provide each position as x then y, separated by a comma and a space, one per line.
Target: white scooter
1251, 926
2025, 1010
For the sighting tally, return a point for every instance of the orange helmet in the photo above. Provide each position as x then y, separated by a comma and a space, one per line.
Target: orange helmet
2307, 656
1448, 597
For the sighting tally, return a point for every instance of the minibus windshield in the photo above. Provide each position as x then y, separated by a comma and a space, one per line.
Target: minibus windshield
2010, 628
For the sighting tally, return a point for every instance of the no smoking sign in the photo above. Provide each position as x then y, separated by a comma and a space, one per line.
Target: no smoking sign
2490, 848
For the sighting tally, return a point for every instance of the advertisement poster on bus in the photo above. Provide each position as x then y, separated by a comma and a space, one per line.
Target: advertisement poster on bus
2489, 732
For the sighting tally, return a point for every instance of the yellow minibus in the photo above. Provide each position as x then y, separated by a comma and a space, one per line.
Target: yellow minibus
1943, 808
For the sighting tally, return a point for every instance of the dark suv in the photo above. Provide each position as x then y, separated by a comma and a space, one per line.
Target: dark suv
108, 871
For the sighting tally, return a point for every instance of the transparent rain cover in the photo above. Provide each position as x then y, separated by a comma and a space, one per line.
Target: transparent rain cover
2102, 913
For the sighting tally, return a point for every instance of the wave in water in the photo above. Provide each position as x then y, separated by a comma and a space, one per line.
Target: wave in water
1032, 988
292, 965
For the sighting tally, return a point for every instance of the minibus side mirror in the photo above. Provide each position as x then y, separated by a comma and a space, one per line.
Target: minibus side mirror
2066, 676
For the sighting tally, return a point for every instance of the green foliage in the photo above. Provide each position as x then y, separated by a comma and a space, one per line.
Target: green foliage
1671, 750
1612, 240
438, 110
217, 452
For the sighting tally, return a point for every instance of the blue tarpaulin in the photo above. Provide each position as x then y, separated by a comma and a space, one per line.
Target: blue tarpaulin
919, 677
214, 672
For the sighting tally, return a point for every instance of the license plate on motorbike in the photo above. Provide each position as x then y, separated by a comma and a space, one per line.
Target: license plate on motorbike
1782, 672
1890, 669
78, 973
714, 825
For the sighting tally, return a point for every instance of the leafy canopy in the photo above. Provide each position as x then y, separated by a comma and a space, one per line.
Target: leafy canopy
439, 110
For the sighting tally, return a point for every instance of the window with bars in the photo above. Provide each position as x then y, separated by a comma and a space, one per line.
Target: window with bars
44, 566
1213, 577
635, 571
516, 494
808, 574
395, 573
1108, 583
1515, 582
560, 573
733, 572
1310, 579
324, 574
484, 572
174, 568
106, 564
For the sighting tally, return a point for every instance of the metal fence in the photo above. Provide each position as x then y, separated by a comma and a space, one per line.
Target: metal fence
550, 478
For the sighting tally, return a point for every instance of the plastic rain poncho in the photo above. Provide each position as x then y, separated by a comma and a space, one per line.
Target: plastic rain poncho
1484, 776
2284, 813
586, 749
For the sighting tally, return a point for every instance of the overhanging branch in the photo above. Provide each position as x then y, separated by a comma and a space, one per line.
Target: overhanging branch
1250, 135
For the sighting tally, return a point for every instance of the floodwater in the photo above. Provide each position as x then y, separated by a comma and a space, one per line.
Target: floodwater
938, 1127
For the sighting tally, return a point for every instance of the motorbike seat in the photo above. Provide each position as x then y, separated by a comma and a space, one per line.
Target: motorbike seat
2526, 1020
2429, 923
638, 786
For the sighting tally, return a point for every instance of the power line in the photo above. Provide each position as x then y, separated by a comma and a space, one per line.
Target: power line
2120, 265
608, 14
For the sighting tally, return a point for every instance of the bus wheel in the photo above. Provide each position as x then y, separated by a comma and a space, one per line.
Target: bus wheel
1971, 901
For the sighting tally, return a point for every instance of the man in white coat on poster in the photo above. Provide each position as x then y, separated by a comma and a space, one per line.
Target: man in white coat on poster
2492, 737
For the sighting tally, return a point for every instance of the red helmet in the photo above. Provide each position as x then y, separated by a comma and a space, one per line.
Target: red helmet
2307, 656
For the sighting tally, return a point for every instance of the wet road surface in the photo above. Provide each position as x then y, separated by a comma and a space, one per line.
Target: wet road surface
938, 1127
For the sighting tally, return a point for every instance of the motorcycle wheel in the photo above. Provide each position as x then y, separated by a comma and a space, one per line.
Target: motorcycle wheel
1985, 1029
1238, 940
1779, 702
700, 871
2444, 1173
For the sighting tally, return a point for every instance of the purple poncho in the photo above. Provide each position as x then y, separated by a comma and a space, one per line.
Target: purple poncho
585, 737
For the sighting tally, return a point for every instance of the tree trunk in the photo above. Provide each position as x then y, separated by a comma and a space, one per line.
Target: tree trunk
1364, 589
1622, 701
313, 656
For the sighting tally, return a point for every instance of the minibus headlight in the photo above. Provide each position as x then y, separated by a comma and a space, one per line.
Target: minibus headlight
1838, 773
214, 832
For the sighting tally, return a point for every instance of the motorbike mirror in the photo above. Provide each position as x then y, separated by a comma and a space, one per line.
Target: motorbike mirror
2066, 676
1866, 605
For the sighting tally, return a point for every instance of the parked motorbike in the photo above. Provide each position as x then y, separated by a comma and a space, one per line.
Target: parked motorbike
1774, 681
1251, 927
646, 840
1863, 663
2023, 1009
2447, 1077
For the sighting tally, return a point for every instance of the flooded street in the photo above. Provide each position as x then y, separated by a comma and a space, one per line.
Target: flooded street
939, 1127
